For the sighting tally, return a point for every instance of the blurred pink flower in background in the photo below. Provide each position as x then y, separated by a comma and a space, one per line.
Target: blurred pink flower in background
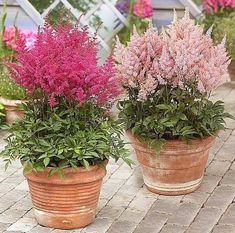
12, 33
143, 8
212, 6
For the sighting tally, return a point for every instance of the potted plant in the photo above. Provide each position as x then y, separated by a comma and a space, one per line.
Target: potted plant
11, 94
169, 118
66, 137
221, 14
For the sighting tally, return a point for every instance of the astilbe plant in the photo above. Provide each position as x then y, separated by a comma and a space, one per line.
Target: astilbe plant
178, 57
70, 125
51, 67
168, 77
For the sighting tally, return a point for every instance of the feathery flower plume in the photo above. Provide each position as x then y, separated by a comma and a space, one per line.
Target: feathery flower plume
178, 57
63, 63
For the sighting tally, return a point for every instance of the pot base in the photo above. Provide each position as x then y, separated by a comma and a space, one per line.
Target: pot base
62, 221
174, 189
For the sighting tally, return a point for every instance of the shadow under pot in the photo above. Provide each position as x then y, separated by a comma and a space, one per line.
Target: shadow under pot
67, 203
12, 110
178, 169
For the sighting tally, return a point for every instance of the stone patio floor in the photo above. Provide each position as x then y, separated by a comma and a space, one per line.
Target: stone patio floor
126, 206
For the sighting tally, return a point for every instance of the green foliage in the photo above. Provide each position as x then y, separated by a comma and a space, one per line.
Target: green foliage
64, 136
8, 88
172, 114
223, 25
4, 50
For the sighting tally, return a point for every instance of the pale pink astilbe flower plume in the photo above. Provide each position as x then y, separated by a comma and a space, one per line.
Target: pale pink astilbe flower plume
148, 87
143, 8
130, 59
215, 67
194, 56
213, 6
135, 60
179, 57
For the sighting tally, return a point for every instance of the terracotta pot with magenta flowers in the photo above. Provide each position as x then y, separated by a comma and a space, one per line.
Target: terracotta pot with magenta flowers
67, 136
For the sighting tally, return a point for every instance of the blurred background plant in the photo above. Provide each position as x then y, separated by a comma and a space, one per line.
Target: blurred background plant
81, 5
8, 36
221, 15
137, 13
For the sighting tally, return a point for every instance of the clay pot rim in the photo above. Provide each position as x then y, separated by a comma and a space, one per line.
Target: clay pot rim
71, 176
192, 141
70, 169
174, 147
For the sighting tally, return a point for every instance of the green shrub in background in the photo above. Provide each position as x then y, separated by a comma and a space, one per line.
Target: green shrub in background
8, 88
81, 5
225, 26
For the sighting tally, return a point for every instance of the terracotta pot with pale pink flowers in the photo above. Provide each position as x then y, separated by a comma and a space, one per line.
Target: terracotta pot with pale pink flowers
170, 120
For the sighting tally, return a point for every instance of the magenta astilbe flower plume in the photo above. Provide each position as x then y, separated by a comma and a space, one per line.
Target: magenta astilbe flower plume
143, 9
63, 63
213, 6
178, 57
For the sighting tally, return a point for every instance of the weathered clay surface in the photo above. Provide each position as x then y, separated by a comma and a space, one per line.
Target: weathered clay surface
178, 169
66, 203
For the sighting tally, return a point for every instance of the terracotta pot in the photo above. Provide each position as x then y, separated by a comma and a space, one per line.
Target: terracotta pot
12, 110
231, 71
66, 203
178, 169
